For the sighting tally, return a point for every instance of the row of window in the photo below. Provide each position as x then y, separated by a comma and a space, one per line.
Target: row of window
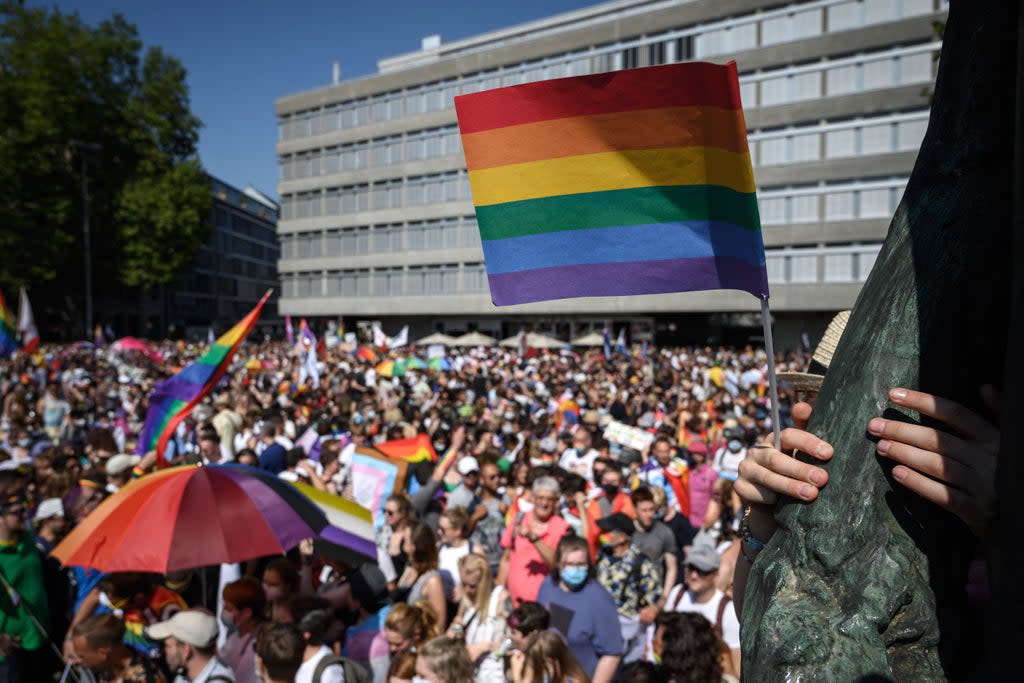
860, 137
395, 149
795, 22
466, 278
386, 194
837, 202
451, 233
791, 265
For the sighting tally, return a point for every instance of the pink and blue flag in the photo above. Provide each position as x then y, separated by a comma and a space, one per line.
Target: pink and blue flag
174, 398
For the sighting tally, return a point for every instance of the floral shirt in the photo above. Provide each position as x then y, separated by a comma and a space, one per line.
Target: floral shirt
631, 579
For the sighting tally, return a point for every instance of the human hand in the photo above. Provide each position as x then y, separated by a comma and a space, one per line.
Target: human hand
68, 650
648, 614
953, 471
9, 643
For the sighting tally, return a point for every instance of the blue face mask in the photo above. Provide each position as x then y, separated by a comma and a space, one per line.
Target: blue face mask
735, 446
574, 577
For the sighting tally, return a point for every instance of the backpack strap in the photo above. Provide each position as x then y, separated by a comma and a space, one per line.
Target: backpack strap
721, 613
325, 662
679, 597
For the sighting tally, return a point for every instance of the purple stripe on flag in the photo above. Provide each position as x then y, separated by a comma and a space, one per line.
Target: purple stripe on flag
349, 540
628, 279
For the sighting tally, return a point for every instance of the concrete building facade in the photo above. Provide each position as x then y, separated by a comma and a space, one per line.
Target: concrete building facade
377, 219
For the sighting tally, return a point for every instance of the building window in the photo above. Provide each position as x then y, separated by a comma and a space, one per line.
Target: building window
774, 151
656, 53
803, 268
845, 16
806, 147
840, 143
910, 134
841, 80
839, 206
875, 203
839, 267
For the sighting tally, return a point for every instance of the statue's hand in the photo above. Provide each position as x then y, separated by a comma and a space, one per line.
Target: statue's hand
766, 473
956, 471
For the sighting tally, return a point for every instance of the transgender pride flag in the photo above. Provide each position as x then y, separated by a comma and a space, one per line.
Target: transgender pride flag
614, 184
174, 398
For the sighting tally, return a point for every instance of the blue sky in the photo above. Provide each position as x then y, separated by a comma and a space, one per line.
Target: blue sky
242, 55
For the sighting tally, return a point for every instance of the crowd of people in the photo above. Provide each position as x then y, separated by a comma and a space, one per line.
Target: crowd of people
548, 548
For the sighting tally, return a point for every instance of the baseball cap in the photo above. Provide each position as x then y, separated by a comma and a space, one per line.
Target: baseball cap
121, 462
468, 464
51, 507
704, 557
192, 626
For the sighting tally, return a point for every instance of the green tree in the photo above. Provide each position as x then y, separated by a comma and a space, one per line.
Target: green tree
63, 80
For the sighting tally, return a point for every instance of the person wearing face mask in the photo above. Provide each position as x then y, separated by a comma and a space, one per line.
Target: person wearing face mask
244, 604
728, 458
583, 611
190, 647
610, 500
280, 583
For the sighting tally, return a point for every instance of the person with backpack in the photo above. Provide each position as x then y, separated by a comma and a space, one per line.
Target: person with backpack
632, 579
699, 594
319, 663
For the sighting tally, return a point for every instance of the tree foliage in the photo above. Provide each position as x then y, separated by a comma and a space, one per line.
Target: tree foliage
63, 80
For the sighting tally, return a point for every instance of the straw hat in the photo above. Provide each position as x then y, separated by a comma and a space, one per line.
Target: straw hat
822, 358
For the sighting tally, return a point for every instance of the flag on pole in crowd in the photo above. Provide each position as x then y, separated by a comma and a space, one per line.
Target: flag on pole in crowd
400, 340
416, 449
614, 184
289, 331
380, 340
607, 335
8, 330
174, 398
367, 354
620, 343
308, 368
27, 324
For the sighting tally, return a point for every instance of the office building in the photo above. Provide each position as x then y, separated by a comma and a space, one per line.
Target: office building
377, 220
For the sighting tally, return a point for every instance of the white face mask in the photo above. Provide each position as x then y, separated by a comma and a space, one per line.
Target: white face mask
419, 679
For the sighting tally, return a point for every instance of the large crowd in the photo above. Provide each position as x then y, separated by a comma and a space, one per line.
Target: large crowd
548, 548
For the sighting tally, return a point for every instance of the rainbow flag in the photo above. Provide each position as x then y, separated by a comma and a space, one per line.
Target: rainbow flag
416, 449
8, 330
174, 398
615, 184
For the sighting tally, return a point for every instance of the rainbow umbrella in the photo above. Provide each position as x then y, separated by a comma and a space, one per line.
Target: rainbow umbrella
391, 368
439, 363
194, 516
415, 363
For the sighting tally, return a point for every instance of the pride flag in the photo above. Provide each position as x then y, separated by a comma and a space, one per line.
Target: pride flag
8, 330
416, 449
174, 398
615, 184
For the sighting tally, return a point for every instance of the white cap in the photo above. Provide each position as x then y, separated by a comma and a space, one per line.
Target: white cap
121, 462
192, 626
51, 507
468, 464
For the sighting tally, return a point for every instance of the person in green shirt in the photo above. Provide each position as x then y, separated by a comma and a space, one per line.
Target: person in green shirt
23, 596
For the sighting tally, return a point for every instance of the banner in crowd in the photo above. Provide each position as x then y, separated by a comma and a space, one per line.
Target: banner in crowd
375, 477
174, 398
614, 184
629, 437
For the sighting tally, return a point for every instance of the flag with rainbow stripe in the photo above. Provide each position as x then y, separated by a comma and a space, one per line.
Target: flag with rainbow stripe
614, 184
174, 398
416, 449
8, 330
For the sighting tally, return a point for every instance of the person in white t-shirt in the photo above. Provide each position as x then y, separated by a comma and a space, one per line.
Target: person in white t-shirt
314, 627
698, 594
580, 458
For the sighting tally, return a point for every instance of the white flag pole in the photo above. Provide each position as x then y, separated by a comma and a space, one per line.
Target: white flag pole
773, 387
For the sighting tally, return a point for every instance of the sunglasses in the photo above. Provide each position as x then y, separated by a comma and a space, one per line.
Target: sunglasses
388, 513
700, 572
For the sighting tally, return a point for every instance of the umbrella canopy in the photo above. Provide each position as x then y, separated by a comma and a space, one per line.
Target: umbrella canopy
133, 344
189, 516
439, 363
391, 368
474, 339
592, 339
415, 363
533, 341
436, 338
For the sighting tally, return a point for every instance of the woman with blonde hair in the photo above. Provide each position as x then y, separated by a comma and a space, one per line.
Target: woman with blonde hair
546, 659
406, 628
443, 660
481, 620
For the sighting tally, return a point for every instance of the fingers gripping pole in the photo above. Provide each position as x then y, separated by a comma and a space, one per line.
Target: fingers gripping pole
773, 386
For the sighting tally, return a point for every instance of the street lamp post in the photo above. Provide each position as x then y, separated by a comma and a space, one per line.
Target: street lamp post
82, 148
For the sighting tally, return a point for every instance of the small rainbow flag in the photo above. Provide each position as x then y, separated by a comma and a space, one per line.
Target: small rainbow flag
614, 184
416, 449
174, 398
367, 354
8, 330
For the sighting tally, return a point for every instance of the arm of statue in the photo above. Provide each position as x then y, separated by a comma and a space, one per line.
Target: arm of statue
955, 472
